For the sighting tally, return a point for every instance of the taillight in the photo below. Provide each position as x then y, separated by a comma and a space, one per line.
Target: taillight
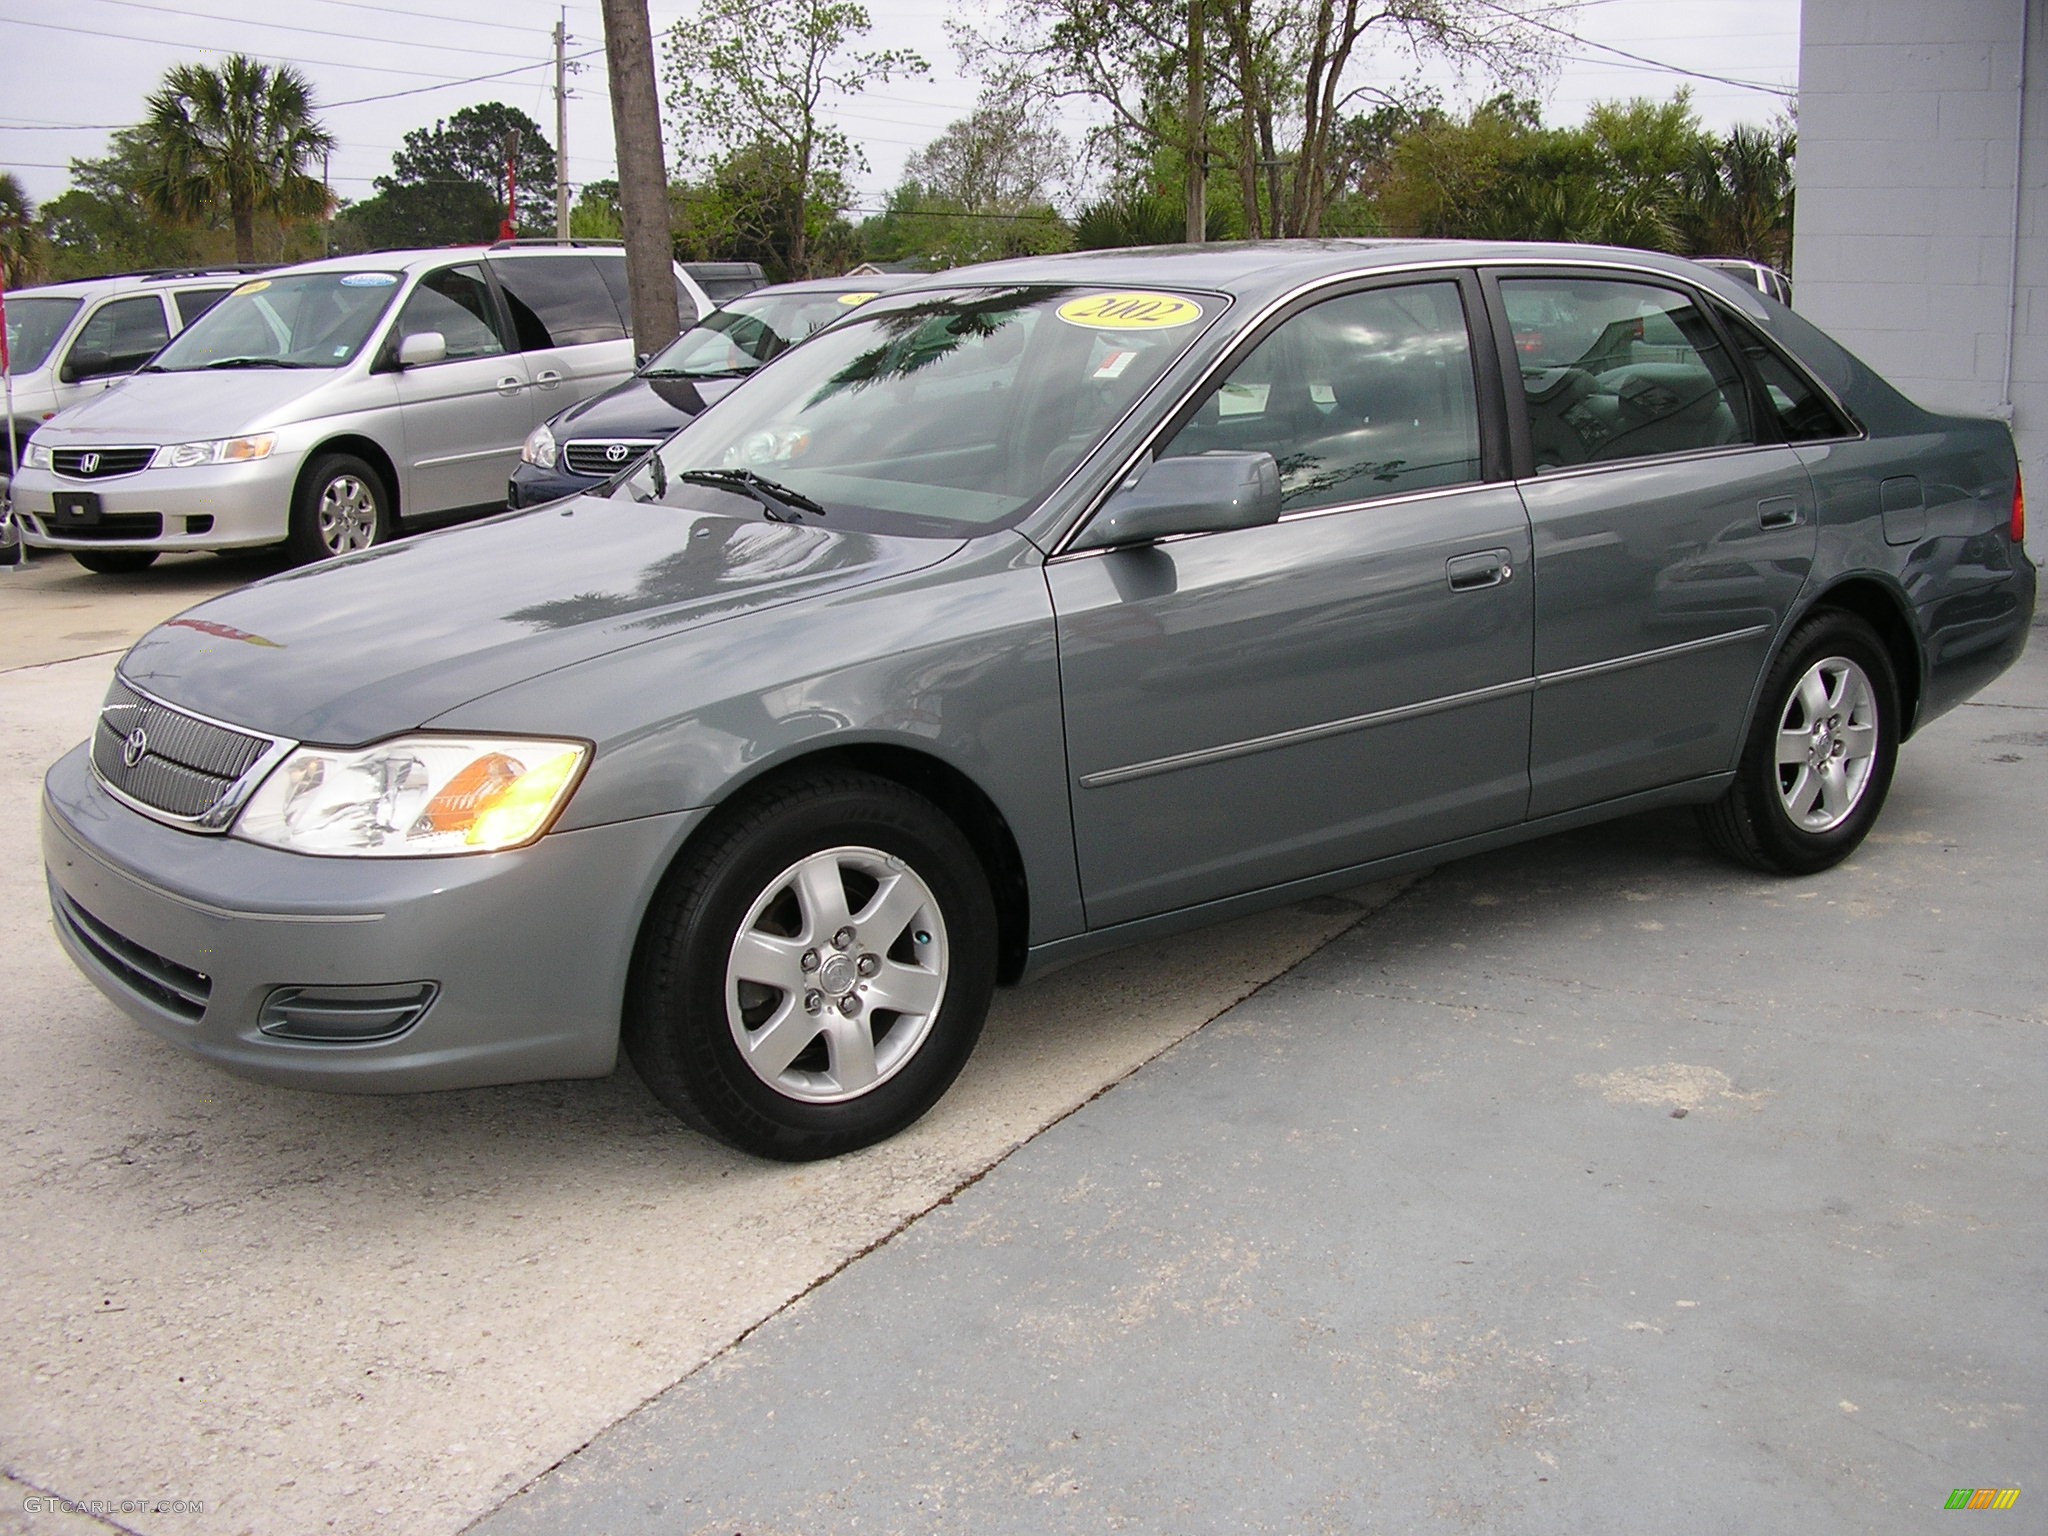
2019, 510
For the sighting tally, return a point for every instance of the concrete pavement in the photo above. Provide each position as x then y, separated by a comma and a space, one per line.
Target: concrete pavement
1596, 1186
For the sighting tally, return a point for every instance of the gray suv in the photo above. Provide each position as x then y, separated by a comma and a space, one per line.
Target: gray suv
318, 405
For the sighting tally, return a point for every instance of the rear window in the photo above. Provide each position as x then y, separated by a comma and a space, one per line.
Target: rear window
194, 302
559, 301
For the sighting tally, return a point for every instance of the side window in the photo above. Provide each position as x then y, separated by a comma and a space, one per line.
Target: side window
614, 272
1804, 414
1619, 370
456, 302
1363, 396
558, 301
119, 338
194, 302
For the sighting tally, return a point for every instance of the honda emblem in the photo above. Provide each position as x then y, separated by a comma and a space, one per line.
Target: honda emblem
88, 463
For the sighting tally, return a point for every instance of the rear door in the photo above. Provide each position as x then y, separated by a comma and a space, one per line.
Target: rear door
570, 328
463, 418
1251, 707
1672, 531
116, 339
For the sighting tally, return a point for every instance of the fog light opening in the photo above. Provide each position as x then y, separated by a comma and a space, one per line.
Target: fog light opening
345, 1015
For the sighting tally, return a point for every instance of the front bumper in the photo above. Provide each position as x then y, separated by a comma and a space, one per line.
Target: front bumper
531, 486
217, 506
526, 952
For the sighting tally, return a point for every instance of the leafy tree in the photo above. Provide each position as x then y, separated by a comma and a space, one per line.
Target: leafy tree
469, 149
407, 214
240, 139
741, 211
1284, 81
21, 257
1739, 195
753, 76
596, 215
981, 190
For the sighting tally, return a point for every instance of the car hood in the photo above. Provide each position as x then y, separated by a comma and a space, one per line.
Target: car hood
358, 649
153, 408
640, 407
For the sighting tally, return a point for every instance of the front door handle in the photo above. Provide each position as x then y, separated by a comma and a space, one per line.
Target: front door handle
1778, 512
509, 385
1484, 568
547, 378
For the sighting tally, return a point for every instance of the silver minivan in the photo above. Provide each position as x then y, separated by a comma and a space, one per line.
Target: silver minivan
319, 405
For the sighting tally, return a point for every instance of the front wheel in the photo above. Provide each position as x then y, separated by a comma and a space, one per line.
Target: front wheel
814, 976
1818, 762
341, 506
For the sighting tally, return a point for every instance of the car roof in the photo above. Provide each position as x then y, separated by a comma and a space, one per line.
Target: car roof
412, 259
1257, 270
87, 287
868, 284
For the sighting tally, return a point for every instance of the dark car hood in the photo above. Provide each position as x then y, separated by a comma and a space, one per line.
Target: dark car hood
640, 407
384, 641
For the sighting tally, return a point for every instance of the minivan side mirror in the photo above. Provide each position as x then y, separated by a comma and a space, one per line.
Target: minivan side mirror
422, 348
83, 363
1202, 493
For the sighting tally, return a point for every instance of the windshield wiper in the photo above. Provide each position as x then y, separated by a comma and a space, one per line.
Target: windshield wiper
253, 362
692, 373
775, 499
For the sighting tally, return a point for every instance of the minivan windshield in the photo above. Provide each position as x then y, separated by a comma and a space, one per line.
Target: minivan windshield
308, 320
747, 332
947, 413
33, 326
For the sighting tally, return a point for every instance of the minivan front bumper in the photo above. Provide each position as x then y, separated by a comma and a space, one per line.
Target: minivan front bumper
219, 506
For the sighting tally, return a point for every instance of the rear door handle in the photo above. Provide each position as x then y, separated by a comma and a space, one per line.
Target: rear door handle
1484, 568
1778, 512
547, 378
510, 385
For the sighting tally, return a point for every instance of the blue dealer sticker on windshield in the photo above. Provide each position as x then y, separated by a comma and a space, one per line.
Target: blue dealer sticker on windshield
368, 280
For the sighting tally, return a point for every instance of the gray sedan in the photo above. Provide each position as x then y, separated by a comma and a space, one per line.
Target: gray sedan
1039, 608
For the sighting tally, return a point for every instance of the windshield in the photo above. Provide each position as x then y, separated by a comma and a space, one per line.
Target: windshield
311, 320
747, 332
948, 414
33, 326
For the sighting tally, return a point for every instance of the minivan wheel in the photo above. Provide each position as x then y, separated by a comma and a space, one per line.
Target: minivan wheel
1818, 763
115, 562
815, 973
341, 506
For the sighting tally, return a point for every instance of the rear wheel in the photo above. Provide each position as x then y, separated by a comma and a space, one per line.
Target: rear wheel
815, 974
341, 506
1818, 763
115, 562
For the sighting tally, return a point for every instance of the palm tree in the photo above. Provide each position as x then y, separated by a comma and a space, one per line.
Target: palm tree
240, 139
1741, 191
20, 248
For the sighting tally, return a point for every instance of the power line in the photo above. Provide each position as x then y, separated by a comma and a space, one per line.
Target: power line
1636, 58
421, 90
162, 42
411, 14
279, 26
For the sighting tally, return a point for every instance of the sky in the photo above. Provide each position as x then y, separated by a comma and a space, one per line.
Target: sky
69, 74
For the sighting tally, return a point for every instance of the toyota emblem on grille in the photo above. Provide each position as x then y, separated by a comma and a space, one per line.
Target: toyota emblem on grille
89, 464
134, 745
616, 453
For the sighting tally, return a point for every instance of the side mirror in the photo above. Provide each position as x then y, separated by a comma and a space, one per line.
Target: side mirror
422, 348
85, 363
640, 360
1203, 493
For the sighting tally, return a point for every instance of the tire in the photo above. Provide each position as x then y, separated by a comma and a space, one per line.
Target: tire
756, 1010
1818, 761
341, 506
115, 562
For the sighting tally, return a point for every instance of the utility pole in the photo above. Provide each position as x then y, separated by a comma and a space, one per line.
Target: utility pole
562, 126
643, 180
1198, 131
509, 230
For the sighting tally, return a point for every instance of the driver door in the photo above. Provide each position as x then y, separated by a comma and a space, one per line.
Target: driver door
463, 418
1266, 704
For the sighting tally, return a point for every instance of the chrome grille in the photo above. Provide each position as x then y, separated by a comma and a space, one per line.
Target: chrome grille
99, 463
596, 458
165, 760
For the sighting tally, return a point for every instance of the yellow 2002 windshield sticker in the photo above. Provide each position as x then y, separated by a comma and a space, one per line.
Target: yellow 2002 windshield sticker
258, 286
850, 299
1130, 311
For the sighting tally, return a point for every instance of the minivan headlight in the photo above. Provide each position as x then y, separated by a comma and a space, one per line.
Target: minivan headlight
35, 456
226, 450
413, 796
539, 447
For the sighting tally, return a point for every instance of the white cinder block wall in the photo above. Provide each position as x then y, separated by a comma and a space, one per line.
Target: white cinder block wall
1920, 236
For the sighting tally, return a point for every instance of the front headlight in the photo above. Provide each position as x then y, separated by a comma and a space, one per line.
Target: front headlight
35, 456
413, 796
226, 450
539, 447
